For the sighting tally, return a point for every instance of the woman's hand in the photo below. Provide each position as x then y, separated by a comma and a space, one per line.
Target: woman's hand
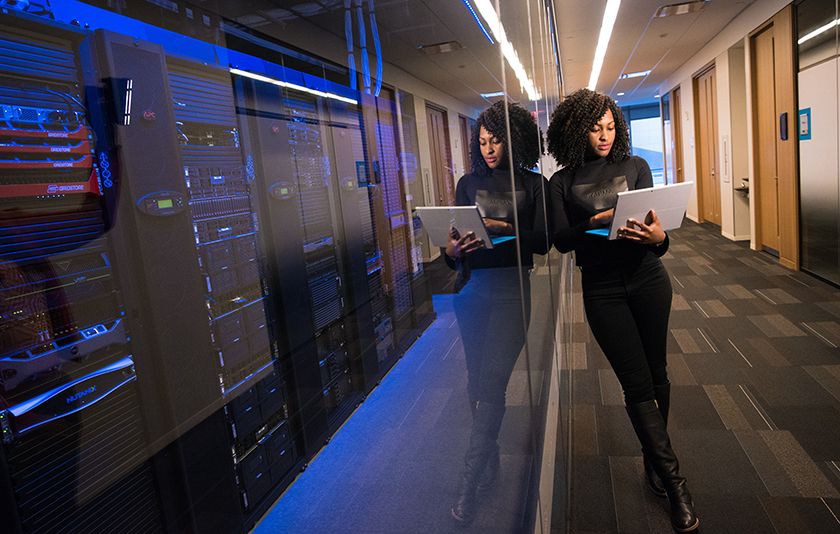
601, 220
462, 245
498, 227
649, 233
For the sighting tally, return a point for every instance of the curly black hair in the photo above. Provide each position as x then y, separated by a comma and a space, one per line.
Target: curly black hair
571, 121
526, 137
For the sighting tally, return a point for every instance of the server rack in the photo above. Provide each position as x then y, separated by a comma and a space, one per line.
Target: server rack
312, 270
216, 283
225, 227
73, 454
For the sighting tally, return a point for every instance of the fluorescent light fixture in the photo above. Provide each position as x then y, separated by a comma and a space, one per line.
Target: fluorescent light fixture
821, 29
478, 21
315, 92
634, 74
655, 96
620, 94
489, 14
492, 95
610, 14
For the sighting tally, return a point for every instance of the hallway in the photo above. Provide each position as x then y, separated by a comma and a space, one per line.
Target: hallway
755, 368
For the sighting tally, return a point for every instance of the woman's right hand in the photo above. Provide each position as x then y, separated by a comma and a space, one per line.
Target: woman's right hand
462, 245
601, 220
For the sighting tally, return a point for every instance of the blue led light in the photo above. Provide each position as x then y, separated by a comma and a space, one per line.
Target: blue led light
478, 21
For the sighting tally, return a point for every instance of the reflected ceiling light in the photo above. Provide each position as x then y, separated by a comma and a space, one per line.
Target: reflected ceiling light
489, 14
818, 31
492, 95
478, 21
315, 92
610, 14
681, 9
634, 74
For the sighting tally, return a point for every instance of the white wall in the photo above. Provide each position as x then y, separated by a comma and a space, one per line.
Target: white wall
738, 141
717, 50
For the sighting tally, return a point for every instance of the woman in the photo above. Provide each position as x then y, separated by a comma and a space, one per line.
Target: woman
489, 304
626, 289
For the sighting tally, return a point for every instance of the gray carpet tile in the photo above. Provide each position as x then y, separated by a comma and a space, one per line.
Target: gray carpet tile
755, 415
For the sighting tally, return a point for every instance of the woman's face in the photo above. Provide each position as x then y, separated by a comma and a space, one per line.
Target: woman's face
492, 149
602, 135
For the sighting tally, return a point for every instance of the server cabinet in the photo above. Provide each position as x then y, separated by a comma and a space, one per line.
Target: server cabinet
311, 227
251, 381
74, 448
393, 225
166, 293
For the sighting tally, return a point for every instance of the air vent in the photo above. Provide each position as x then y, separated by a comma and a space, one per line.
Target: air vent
440, 48
681, 9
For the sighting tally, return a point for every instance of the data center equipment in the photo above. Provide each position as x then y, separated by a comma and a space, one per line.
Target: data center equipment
202, 275
73, 450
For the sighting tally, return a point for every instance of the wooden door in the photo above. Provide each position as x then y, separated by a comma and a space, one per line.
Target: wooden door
441, 159
775, 146
667, 137
767, 176
466, 134
676, 124
708, 183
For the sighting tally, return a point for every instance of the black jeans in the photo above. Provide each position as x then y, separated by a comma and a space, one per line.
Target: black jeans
489, 313
628, 307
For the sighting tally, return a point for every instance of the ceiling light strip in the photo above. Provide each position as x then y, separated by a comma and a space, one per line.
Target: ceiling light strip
478, 21
610, 14
492, 19
818, 31
287, 85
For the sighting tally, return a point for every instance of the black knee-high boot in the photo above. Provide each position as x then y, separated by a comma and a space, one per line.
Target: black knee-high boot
485, 431
491, 471
663, 400
650, 429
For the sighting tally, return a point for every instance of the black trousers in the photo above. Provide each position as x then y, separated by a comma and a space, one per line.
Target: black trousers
489, 313
627, 307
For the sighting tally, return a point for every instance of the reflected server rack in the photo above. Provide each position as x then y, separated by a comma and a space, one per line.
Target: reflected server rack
73, 446
202, 276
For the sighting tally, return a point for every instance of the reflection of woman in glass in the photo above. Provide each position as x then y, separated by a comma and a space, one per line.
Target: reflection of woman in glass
489, 307
626, 289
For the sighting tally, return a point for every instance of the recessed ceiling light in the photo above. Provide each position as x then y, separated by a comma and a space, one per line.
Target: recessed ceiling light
681, 9
488, 13
634, 74
610, 14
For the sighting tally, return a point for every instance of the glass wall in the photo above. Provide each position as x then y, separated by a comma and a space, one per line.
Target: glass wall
819, 142
222, 308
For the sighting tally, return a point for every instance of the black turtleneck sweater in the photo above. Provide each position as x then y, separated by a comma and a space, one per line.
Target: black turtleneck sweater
492, 195
576, 195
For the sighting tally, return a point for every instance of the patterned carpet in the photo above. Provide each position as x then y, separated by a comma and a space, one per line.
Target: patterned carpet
755, 413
